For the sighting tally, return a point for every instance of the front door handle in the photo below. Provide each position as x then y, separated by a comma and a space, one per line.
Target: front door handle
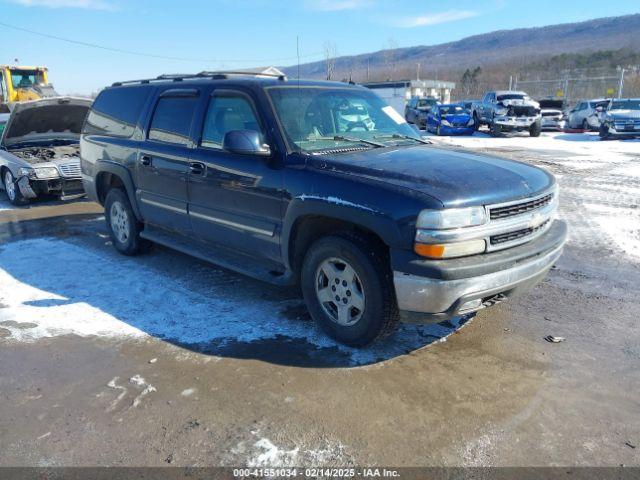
145, 160
196, 168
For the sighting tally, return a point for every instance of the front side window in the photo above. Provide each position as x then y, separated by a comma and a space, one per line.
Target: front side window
171, 120
226, 113
320, 118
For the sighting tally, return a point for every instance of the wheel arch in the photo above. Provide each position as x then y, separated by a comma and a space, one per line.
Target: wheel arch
304, 224
110, 175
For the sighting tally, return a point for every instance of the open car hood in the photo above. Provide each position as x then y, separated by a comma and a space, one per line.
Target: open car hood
49, 119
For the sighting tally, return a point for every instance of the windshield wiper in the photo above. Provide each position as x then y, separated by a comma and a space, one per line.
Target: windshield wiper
405, 137
342, 138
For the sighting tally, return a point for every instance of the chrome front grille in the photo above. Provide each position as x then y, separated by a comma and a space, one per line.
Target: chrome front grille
70, 170
496, 213
517, 235
509, 224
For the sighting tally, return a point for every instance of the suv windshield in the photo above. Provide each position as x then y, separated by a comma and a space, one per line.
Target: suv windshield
320, 118
625, 105
452, 109
426, 102
513, 96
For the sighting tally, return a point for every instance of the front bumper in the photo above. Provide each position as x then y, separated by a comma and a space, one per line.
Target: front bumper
622, 130
64, 187
553, 123
515, 122
472, 283
444, 130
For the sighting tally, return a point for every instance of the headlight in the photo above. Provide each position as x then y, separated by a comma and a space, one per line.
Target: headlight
502, 111
451, 218
447, 219
46, 172
470, 123
445, 123
26, 172
450, 250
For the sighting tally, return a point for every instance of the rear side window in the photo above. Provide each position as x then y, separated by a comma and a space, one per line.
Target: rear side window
116, 111
171, 120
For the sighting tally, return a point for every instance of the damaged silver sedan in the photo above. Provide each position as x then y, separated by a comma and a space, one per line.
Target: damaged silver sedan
39, 150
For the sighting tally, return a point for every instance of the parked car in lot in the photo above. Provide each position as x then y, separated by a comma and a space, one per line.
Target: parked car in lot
266, 177
552, 111
39, 150
450, 119
508, 111
585, 114
621, 119
417, 109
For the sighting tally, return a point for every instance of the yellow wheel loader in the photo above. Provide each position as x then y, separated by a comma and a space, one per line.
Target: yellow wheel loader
19, 84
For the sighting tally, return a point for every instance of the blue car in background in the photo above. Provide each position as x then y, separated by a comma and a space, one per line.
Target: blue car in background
450, 119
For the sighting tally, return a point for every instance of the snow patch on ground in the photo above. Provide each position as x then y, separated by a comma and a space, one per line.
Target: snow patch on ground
86, 293
623, 228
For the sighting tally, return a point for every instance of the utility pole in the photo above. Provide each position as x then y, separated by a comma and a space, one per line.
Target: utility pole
510, 82
368, 68
418, 71
621, 85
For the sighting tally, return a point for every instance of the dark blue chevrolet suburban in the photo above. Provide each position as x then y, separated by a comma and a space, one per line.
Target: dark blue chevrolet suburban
319, 184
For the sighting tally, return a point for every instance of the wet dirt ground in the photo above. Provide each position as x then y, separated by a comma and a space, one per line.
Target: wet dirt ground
161, 382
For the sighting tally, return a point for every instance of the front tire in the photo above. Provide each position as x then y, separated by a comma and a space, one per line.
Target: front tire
122, 224
585, 126
536, 129
495, 130
11, 189
348, 287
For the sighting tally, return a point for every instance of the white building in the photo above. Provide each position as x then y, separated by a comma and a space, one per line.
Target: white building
397, 93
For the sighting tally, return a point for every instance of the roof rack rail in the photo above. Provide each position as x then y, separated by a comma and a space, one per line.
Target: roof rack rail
178, 77
226, 73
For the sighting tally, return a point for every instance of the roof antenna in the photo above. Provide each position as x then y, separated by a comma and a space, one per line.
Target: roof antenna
298, 55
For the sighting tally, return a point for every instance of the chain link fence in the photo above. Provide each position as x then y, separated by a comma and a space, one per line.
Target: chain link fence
572, 86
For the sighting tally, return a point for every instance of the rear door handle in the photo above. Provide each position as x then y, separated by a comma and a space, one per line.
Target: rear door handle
145, 160
196, 168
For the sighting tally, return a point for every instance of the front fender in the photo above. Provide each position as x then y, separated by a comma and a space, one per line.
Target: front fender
389, 230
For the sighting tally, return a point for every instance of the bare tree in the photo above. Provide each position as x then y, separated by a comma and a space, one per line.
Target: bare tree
330, 54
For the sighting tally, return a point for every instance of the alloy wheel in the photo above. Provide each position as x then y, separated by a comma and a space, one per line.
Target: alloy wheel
119, 222
340, 292
9, 185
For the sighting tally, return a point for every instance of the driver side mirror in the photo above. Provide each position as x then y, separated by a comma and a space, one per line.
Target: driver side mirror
245, 142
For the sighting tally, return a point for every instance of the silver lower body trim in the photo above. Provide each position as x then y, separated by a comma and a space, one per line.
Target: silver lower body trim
163, 205
229, 223
449, 297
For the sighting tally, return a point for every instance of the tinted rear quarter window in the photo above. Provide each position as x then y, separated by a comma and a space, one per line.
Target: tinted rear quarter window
171, 120
116, 111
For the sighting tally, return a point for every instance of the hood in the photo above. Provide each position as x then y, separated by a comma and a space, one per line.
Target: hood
623, 114
45, 120
455, 178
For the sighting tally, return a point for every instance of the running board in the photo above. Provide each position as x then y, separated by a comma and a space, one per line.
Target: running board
220, 256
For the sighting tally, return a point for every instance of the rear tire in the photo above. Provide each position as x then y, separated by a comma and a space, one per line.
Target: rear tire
536, 129
11, 188
122, 224
585, 126
348, 287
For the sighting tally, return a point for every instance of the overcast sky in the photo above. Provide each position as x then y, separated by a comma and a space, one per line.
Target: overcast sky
224, 34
